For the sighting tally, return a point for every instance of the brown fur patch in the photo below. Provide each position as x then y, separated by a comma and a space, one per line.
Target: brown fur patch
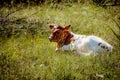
103, 47
99, 44
107, 49
68, 39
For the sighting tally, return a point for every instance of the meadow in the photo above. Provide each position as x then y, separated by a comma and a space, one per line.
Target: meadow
29, 55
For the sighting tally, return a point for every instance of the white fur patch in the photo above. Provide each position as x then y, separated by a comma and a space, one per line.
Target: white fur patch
90, 44
86, 45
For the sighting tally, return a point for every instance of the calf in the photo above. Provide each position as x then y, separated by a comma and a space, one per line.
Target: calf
80, 44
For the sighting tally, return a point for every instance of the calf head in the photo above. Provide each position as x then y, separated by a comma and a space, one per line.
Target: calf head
60, 35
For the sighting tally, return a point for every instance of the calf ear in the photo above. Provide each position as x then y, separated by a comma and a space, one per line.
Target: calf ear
67, 27
51, 26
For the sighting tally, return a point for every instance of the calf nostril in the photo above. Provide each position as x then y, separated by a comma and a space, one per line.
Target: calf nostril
50, 38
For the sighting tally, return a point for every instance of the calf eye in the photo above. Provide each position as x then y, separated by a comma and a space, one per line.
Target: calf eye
57, 32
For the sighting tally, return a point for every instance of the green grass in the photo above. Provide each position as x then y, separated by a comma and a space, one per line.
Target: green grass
33, 58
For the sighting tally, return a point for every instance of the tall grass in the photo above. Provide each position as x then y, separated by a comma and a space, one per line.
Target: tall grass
34, 57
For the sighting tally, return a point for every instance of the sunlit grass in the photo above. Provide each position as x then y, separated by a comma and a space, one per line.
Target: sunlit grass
36, 58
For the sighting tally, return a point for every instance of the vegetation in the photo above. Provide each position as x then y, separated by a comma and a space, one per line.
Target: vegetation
27, 54
11, 3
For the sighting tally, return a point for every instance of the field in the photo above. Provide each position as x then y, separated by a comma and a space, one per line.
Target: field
28, 54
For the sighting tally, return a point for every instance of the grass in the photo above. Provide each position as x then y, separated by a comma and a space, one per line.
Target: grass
32, 58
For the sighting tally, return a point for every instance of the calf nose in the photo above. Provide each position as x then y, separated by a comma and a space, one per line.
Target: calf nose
50, 38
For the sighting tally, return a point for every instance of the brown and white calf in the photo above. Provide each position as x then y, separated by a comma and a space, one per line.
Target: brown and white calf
80, 44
